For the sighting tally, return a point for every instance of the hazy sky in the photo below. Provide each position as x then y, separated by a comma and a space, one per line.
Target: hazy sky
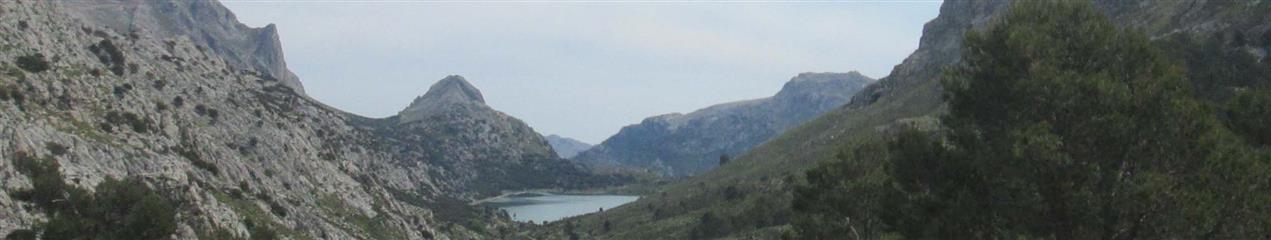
581, 69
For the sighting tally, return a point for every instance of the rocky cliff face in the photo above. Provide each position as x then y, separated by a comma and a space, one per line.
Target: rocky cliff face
206, 23
566, 147
237, 149
686, 144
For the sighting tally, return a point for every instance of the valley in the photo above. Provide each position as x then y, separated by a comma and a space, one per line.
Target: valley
1012, 119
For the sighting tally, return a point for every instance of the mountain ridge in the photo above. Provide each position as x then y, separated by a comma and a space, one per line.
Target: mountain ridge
678, 144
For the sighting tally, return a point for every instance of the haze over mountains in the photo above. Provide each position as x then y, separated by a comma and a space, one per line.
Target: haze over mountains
686, 144
567, 147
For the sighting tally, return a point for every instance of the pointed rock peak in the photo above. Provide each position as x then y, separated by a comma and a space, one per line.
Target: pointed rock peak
452, 91
821, 83
453, 88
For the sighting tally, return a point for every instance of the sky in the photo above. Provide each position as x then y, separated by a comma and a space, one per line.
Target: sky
580, 69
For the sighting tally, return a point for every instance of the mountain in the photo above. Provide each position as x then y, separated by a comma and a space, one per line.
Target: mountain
483, 151
687, 144
207, 23
566, 147
187, 106
753, 191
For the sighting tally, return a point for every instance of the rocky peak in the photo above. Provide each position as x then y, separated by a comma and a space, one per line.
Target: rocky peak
822, 84
453, 88
207, 23
451, 92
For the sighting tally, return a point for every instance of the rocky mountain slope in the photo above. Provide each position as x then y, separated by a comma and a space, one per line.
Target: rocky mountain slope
206, 23
480, 151
746, 190
234, 148
566, 147
687, 144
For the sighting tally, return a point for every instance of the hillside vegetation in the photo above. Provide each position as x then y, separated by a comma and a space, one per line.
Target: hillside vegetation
1207, 43
1060, 126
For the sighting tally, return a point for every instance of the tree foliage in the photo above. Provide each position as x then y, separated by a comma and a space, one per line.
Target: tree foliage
117, 209
1060, 126
1249, 114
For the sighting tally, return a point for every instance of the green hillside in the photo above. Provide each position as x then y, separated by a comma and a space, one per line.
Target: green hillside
750, 196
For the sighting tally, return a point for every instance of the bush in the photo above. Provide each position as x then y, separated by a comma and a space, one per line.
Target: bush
264, 233
56, 149
710, 226
133, 209
33, 63
1249, 114
277, 209
132, 120
21, 234
109, 55
11, 92
117, 210
47, 187
197, 160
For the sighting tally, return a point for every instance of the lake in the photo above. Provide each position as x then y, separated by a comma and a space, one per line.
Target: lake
540, 207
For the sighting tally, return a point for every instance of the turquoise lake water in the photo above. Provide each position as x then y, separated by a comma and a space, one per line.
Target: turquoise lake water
552, 207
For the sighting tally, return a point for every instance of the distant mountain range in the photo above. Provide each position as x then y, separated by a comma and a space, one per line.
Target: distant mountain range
566, 147
687, 144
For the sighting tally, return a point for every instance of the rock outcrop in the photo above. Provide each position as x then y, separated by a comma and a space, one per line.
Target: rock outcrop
206, 23
687, 144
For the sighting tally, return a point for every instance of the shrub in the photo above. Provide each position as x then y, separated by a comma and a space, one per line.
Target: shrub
1249, 114
46, 180
710, 226
263, 233
55, 148
197, 160
117, 210
122, 90
21, 234
137, 123
109, 55
33, 63
135, 210
277, 209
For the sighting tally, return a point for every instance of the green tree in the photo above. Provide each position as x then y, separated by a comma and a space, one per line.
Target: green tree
1249, 114
126, 209
840, 198
1060, 126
